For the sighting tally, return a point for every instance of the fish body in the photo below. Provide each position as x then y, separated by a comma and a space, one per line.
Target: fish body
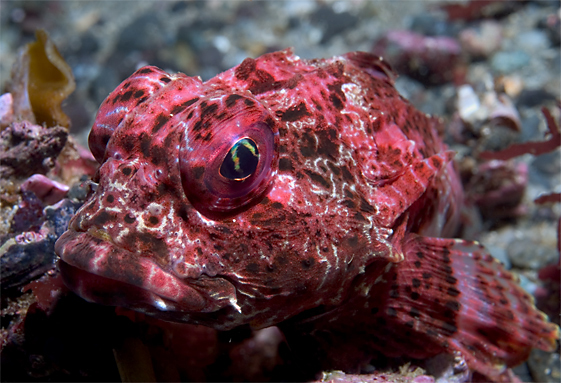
290, 190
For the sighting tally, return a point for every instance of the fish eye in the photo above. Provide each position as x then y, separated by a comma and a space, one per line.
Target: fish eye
241, 161
227, 163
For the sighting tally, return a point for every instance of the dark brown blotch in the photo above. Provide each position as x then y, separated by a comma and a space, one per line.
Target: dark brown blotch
160, 122
295, 113
318, 179
453, 292
263, 82
449, 329
336, 95
207, 110
231, 100
450, 279
126, 96
179, 108
307, 263
158, 154
129, 218
285, 164
102, 218
145, 71
327, 143
198, 172
141, 100
347, 175
365, 206
453, 305
182, 213
245, 69
252, 267
145, 143
165, 79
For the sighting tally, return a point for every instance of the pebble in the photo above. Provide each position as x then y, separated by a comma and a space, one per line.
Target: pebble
532, 41
432, 25
549, 163
331, 22
508, 62
482, 40
545, 366
142, 33
533, 248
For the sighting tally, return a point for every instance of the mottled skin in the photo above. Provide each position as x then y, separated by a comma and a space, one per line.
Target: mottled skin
335, 228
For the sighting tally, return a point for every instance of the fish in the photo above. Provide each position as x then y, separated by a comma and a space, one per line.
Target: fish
293, 191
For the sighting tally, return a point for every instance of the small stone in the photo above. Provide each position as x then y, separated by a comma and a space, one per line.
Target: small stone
507, 62
6, 109
140, 34
483, 40
534, 248
431, 25
545, 366
548, 163
47, 190
532, 41
534, 97
331, 22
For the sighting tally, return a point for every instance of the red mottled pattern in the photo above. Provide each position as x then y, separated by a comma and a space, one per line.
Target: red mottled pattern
287, 187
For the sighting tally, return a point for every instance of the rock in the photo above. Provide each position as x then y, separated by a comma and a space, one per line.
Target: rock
482, 40
545, 366
507, 62
549, 163
26, 148
430, 60
47, 190
534, 247
331, 22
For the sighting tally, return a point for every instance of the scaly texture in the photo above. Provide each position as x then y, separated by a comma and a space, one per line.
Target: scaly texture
295, 191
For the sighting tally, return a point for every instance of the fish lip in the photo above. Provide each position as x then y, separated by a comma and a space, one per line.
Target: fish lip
94, 268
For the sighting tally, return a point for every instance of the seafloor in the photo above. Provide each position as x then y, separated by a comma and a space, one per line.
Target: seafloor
487, 67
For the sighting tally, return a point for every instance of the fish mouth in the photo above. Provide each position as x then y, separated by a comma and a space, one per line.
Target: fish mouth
101, 272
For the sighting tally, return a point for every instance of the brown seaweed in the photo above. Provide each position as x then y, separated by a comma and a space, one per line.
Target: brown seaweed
41, 81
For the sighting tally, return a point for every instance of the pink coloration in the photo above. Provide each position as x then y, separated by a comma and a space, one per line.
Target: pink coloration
47, 190
497, 188
431, 60
292, 192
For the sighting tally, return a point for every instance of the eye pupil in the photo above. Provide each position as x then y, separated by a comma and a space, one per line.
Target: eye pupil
241, 161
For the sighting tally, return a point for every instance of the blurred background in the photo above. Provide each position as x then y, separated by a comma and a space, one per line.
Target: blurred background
105, 41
